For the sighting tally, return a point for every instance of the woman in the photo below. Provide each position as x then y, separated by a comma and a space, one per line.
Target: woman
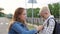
18, 26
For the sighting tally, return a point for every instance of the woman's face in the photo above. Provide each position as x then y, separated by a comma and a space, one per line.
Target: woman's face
23, 15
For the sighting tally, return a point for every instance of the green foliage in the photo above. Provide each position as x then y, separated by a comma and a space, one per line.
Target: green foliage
29, 12
35, 12
2, 14
54, 8
1, 9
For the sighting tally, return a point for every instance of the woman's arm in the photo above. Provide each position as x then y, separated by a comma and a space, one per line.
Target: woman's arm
19, 29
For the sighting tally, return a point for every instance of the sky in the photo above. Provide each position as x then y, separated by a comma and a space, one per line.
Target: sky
10, 5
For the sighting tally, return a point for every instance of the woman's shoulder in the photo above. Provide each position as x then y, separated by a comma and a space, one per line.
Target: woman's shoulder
18, 23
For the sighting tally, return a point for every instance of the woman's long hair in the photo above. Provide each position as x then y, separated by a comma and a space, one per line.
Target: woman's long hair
17, 13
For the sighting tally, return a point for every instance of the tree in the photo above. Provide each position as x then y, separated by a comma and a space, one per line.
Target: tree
54, 8
1, 9
35, 12
1, 13
29, 12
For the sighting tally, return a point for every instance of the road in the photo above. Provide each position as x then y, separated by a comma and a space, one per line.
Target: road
4, 25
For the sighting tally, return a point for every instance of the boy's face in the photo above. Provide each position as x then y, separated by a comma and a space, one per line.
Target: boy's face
43, 15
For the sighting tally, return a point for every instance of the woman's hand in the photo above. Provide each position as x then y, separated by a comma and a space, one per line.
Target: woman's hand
40, 27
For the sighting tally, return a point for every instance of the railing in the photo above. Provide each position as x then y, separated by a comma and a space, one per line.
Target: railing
38, 20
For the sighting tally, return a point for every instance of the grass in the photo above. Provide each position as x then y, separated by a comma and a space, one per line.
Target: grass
30, 27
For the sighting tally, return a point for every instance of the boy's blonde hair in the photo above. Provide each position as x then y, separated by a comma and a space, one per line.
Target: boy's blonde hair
44, 9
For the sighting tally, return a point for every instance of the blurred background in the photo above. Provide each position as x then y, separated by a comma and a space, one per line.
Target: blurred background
7, 8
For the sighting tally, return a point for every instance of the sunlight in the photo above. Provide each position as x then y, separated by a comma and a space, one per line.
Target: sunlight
10, 5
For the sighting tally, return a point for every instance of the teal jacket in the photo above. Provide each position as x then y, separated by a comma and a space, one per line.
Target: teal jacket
19, 28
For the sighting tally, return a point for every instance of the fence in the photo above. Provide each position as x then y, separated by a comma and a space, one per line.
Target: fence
38, 20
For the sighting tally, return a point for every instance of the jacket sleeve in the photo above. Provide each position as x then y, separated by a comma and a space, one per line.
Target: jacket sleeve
19, 29
50, 28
